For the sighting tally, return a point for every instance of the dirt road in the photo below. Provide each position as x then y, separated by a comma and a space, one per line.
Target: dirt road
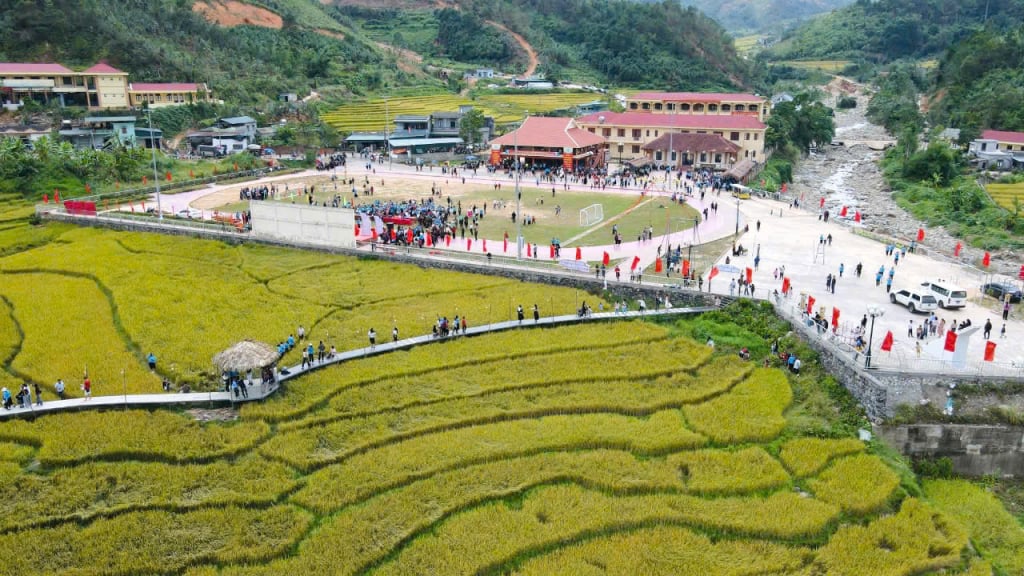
531, 68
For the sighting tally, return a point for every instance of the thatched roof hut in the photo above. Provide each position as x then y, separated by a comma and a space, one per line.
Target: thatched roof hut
246, 355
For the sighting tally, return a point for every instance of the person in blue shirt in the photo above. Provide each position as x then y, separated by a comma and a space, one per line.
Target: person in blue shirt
291, 342
309, 353
151, 359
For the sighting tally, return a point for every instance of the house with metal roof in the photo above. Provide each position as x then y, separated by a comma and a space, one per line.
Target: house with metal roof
101, 132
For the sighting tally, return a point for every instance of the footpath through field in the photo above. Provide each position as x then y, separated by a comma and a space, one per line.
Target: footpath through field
263, 390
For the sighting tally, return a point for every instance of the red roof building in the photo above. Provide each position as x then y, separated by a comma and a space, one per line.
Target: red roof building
628, 132
157, 94
547, 142
32, 68
705, 150
103, 68
1009, 139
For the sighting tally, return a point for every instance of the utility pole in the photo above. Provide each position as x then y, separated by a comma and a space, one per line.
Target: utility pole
152, 149
387, 141
519, 214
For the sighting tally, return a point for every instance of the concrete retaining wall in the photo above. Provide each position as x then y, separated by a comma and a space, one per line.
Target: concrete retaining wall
974, 450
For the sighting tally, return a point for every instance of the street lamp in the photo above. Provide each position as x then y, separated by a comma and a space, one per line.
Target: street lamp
737, 216
152, 149
875, 312
519, 214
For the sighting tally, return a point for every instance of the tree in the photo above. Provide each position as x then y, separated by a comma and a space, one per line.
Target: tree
470, 125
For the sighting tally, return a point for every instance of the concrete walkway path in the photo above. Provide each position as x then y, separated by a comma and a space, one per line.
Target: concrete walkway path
261, 391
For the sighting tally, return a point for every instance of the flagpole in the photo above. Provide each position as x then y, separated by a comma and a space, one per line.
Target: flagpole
519, 214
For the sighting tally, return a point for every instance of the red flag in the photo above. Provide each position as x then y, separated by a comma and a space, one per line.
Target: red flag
579, 253
950, 341
191, 174
1021, 273
785, 285
430, 241
750, 275
485, 245
713, 273
168, 175
658, 266
843, 211
887, 342
607, 259
373, 233
686, 268
636, 262
469, 244
856, 216
394, 236
810, 304
957, 248
447, 240
46, 200
835, 317
783, 186
408, 236
528, 252
920, 234
821, 203
505, 246
986, 260
357, 230
552, 249
990, 351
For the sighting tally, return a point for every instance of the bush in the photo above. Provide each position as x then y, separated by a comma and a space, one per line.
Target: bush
846, 102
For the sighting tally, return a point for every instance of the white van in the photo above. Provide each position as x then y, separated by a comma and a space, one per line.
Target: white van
948, 295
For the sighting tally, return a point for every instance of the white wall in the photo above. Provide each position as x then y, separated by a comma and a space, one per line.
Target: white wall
302, 223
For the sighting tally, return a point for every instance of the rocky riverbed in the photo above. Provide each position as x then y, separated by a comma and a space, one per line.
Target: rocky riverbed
850, 176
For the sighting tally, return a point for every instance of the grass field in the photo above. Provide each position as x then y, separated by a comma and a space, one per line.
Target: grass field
1005, 194
370, 116
524, 452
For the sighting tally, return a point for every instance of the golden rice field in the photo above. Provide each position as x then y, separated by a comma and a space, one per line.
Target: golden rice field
1005, 194
830, 66
370, 116
613, 448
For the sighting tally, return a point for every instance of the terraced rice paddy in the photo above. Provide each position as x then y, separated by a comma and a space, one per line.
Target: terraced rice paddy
1005, 195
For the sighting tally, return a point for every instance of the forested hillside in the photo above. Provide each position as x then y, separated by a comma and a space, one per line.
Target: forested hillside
887, 30
771, 16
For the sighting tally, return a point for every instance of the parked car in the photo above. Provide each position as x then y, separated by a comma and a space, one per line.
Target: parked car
948, 295
914, 300
999, 290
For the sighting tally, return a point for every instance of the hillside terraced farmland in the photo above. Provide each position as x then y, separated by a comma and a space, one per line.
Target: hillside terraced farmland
540, 451
505, 108
830, 66
1005, 194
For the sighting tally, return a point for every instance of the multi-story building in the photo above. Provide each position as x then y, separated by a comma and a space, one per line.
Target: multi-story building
998, 150
699, 103
100, 87
628, 132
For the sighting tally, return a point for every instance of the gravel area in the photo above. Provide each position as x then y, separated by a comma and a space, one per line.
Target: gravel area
850, 176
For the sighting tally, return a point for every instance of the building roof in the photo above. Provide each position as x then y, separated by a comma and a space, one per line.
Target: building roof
163, 87
1003, 136
103, 68
365, 137
95, 119
740, 170
693, 143
411, 118
697, 97
694, 121
237, 120
398, 143
538, 131
446, 115
32, 68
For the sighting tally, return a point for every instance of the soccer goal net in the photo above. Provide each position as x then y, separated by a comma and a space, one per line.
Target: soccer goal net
591, 214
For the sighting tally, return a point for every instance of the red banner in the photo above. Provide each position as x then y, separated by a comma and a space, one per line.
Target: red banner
469, 244
504, 247
986, 260
607, 260
528, 250
810, 305
835, 317
920, 234
843, 211
821, 203
397, 220
579, 253
990, 351
887, 341
957, 249
636, 262
686, 268
408, 236
484, 247
950, 345
856, 216
80, 208
551, 249
785, 285
658, 266
713, 273
750, 275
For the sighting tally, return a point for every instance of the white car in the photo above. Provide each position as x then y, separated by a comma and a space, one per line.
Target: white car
190, 213
914, 300
948, 295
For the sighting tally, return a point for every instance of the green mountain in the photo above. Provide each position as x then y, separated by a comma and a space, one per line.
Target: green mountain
768, 16
887, 30
250, 51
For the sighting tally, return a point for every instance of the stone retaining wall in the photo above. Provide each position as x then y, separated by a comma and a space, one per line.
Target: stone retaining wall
974, 450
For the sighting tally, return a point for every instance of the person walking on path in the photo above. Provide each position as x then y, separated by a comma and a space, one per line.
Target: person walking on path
536, 314
39, 395
59, 388
841, 269
519, 313
86, 387
322, 350
305, 359
372, 335
394, 333
1006, 309
310, 352
988, 329
151, 360
1002, 331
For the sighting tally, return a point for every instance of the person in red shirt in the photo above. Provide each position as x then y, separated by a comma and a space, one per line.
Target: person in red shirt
87, 387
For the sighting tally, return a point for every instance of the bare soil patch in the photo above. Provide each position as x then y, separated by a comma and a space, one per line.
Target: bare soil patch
230, 13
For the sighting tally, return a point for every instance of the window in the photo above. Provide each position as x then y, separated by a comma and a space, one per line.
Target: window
657, 155
670, 106
718, 158
674, 156
592, 130
712, 107
632, 105
753, 154
734, 136
621, 132
636, 149
703, 157
606, 132
636, 133
646, 105
684, 107
698, 107
657, 106
648, 133
755, 136
746, 135
726, 107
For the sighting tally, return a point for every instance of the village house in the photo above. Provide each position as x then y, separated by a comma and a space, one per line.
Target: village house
997, 150
549, 143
